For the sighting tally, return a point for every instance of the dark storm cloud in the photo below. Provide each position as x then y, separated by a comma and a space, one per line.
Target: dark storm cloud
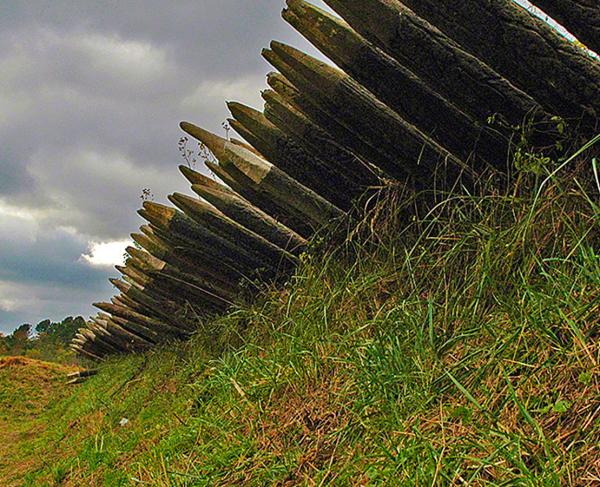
51, 259
91, 94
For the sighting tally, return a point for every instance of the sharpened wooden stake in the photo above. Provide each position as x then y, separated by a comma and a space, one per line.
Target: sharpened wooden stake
287, 192
292, 158
317, 141
395, 85
252, 218
523, 48
335, 131
193, 262
148, 327
411, 153
580, 17
207, 215
449, 68
241, 184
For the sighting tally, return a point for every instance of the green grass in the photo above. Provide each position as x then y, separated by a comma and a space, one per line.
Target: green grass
459, 347
27, 387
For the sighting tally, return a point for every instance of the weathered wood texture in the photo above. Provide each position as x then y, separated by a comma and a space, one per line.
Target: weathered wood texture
523, 48
317, 141
292, 158
335, 130
396, 85
411, 153
252, 218
580, 17
276, 185
451, 70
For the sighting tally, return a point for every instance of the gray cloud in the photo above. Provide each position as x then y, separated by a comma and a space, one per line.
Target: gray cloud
91, 94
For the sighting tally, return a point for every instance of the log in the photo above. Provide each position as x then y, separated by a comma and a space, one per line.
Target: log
135, 329
152, 265
195, 177
83, 373
580, 17
240, 183
195, 263
181, 252
521, 47
285, 191
334, 130
128, 331
148, 327
133, 341
243, 212
396, 86
86, 339
163, 289
410, 151
175, 224
317, 141
291, 86
134, 276
243, 144
99, 343
116, 340
252, 218
174, 281
448, 68
84, 347
163, 309
126, 302
283, 152
207, 215
244, 190
252, 139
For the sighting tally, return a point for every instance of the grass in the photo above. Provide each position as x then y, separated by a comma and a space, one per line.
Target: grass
27, 387
457, 347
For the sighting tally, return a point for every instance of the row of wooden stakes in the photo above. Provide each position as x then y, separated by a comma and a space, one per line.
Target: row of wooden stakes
416, 85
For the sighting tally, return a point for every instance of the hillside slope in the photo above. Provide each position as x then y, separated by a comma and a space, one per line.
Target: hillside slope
27, 388
457, 348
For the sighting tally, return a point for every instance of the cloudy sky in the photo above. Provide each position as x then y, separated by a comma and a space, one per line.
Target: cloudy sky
91, 95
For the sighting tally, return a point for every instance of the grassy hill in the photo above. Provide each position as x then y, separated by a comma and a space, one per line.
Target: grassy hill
28, 388
458, 347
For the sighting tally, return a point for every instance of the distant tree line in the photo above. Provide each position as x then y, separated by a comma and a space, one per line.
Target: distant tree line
48, 340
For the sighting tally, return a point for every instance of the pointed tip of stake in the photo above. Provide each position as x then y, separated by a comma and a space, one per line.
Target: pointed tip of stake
161, 211
238, 109
187, 172
192, 176
155, 218
147, 230
272, 59
121, 285
248, 163
179, 199
214, 143
213, 167
190, 205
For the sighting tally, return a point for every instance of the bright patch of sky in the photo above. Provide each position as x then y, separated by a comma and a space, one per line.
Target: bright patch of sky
106, 254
